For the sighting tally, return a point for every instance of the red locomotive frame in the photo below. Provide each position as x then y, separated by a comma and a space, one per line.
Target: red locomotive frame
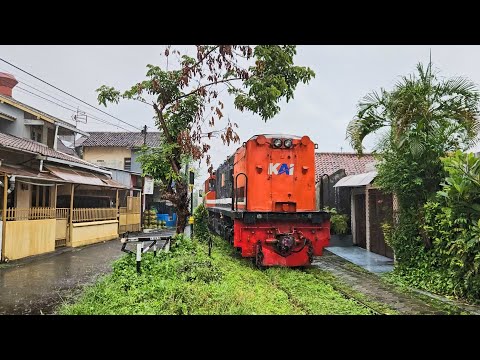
262, 199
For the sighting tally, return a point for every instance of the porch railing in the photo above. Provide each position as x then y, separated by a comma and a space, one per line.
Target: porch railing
79, 215
35, 213
91, 214
62, 213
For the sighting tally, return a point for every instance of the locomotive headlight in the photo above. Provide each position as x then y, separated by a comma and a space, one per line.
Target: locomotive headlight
277, 143
288, 143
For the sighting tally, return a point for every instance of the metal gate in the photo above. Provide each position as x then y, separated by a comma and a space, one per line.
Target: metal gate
360, 221
381, 211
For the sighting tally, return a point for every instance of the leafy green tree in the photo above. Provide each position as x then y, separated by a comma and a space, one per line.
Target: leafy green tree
418, 109
423, 118
257, 77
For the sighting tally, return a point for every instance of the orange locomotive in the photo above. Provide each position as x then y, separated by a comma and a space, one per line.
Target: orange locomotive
262, 199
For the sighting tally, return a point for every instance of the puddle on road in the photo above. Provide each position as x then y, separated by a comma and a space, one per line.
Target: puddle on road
42, 285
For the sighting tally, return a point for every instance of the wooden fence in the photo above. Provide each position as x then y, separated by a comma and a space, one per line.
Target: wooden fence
91, 214
62, 213
35, 213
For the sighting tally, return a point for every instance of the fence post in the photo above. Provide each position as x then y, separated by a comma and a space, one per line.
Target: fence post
70, 227
4, 217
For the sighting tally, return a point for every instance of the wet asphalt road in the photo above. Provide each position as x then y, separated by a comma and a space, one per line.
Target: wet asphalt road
40, 285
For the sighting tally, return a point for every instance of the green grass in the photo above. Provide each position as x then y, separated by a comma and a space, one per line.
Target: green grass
442, 306
338, 285
187, 281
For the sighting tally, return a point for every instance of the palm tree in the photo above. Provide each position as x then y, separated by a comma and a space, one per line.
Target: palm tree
418, 111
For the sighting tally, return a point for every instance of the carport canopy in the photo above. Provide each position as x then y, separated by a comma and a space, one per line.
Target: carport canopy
356, 180
82, 177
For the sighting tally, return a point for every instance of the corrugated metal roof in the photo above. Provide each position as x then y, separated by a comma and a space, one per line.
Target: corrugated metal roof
23, 171
83, 177
63, 148
121, 139
356, 180
7, 116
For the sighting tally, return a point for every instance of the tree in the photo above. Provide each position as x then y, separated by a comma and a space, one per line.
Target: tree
425, 117
418, 109
257, 77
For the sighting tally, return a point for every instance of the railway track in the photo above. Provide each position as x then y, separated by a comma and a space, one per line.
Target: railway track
345, 294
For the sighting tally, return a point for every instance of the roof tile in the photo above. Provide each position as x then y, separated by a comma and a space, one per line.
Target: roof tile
329, 162
13, 142
121, 139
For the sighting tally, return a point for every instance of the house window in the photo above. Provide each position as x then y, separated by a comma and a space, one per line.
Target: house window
29, 116
127, 164
40, 196
36, 133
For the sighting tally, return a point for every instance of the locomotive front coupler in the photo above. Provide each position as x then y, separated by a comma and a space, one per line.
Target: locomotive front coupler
277, 235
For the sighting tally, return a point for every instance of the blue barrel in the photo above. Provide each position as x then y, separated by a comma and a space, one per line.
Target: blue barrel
170, 221
162, 217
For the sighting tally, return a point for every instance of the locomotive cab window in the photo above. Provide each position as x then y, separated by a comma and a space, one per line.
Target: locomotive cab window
211, 185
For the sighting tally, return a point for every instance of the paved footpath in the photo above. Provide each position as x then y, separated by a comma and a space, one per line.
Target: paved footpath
39, 284
378, 290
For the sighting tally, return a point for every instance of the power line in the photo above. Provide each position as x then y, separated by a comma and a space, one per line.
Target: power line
93, 117
26, 72
73, 104
42, 92
28, 91
69, 104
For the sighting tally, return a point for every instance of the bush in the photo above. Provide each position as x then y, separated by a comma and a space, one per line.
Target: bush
338, 222
452, 224
437, 247
200, 216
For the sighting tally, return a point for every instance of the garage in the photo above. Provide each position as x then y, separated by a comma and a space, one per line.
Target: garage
371, 208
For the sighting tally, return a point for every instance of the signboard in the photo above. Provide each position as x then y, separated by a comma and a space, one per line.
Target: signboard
148, 185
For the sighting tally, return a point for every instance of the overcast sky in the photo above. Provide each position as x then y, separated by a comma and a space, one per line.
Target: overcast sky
321, 109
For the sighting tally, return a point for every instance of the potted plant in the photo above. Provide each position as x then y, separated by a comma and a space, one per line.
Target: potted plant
339, 228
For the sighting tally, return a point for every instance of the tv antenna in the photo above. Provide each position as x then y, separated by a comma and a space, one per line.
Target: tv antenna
79, 116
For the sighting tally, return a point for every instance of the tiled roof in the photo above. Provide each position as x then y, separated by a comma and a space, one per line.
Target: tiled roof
121, 139
13, 142
330, 162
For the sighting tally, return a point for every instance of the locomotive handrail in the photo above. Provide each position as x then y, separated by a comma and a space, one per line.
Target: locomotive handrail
235, 190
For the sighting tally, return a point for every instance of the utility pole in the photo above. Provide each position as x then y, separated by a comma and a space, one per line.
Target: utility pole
144, 132
190, 185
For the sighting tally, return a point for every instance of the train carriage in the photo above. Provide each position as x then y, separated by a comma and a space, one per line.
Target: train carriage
262, 200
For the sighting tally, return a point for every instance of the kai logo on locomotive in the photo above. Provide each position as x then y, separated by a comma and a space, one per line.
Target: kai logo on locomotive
279, 169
